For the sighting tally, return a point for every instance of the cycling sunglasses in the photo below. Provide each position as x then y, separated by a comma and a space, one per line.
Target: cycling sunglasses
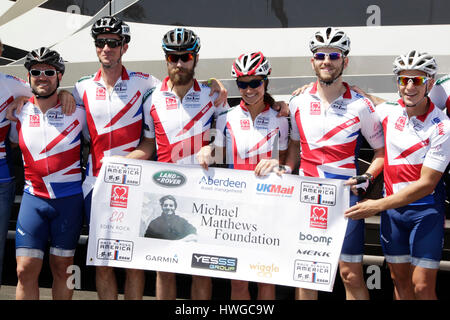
112, 43
252, 84
323, 55
171, 57
47, 73
417, 81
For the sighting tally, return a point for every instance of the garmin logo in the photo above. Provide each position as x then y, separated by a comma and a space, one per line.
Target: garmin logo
169, 178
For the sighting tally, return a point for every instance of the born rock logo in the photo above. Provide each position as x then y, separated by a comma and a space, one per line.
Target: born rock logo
119, 196
169, 178
319, 217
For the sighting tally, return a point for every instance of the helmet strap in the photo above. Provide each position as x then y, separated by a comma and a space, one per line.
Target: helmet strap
38, 96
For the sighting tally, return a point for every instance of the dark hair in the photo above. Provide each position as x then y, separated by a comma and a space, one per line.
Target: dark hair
168, 197
267, 96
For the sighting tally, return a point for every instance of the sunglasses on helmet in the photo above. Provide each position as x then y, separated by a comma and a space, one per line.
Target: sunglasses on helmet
252, 84
417, 81
323, 55
112, 43
172, 57
47, 73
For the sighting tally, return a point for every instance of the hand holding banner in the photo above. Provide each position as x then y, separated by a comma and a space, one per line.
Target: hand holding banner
220, 223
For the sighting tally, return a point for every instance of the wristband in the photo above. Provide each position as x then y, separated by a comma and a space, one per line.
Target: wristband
209, 82
286, 168
370, 176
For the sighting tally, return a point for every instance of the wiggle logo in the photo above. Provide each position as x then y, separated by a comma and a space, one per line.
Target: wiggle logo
171, 103
319, 217
119, 196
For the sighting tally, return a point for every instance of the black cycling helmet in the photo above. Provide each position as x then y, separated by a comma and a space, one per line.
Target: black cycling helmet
111, 25
46, 56
181, 39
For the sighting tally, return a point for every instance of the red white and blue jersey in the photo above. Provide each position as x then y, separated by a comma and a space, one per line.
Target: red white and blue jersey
51, 149
180, 127
413, 142
10, 88
440, 93
330, 137
114, 119
246, 141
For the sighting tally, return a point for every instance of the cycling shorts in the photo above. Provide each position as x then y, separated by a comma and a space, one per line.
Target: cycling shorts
413, 234
353, 246
40, 219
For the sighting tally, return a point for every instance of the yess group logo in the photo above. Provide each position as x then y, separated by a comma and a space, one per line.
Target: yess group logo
319, 217
119, 196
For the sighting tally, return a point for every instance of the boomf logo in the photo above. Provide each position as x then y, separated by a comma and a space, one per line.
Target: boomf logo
319, 217
119, 196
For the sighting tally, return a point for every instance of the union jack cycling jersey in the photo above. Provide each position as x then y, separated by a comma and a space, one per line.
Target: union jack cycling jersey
114, 119
440, 93
50, 144
10, 88
330, 138
180, 127
247, 141
412, 143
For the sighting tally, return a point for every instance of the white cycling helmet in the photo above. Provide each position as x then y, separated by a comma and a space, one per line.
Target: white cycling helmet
415, 60
332, 38
250, 64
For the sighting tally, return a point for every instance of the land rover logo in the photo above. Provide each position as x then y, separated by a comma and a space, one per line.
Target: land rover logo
169, 178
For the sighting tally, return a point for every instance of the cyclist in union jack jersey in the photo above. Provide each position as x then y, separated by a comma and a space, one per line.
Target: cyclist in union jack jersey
329, 121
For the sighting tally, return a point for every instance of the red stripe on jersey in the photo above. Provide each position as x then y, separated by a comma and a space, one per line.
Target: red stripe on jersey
249, 163
310, 159
339, 128
264, 140
413, 149
197, 117
4, 132
61, 136
108, 140
6, 103
124, 110
73, 171
168, 152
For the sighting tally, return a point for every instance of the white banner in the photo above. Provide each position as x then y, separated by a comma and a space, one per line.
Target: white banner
220, 223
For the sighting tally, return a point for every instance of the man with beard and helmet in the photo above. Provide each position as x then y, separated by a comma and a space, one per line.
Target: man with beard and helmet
113, 98
328, 122
417, 136
178, 117
52, 202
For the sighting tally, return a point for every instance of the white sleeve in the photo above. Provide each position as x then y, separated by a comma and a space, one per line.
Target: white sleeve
284, 134
13, 134
77, 95
17, 87
438, 157
295, 134
219, 136
149, 126
440, 93
371, 127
